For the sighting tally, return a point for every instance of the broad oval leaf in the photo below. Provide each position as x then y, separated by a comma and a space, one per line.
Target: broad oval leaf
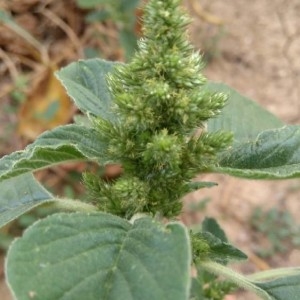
100, 256
19, 195
274, 154
286, 288
62, 144
85, 82
242, 116
22, 193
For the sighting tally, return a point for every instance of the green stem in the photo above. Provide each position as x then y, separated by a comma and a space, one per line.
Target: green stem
234, 277
71, 205
270, 274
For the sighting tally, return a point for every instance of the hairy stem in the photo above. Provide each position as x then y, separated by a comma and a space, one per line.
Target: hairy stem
238, 279
270, 274
71, 205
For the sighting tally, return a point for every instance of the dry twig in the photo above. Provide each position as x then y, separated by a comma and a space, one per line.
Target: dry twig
9, 65
66, 28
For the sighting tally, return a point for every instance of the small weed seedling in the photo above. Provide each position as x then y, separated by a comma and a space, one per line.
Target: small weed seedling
280, 229
164, 123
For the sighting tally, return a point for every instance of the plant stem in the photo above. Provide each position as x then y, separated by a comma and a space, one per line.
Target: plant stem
269, 274
238, 279
71, 205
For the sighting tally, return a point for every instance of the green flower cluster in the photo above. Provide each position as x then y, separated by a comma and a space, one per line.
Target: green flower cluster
161, 108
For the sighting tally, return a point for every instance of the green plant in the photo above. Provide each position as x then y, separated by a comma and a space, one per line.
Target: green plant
279, 227
159, 118
122, 12
18, 93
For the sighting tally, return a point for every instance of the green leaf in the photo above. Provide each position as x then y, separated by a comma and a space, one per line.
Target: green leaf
197, 292
196, 185
90, 3
82, 120
245, 118
100, 256
262, 148
213, 248
123, 5
126, 5
19, 195
210, 225
85, 82
62, 144
286, 288
97, 16
274, 154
